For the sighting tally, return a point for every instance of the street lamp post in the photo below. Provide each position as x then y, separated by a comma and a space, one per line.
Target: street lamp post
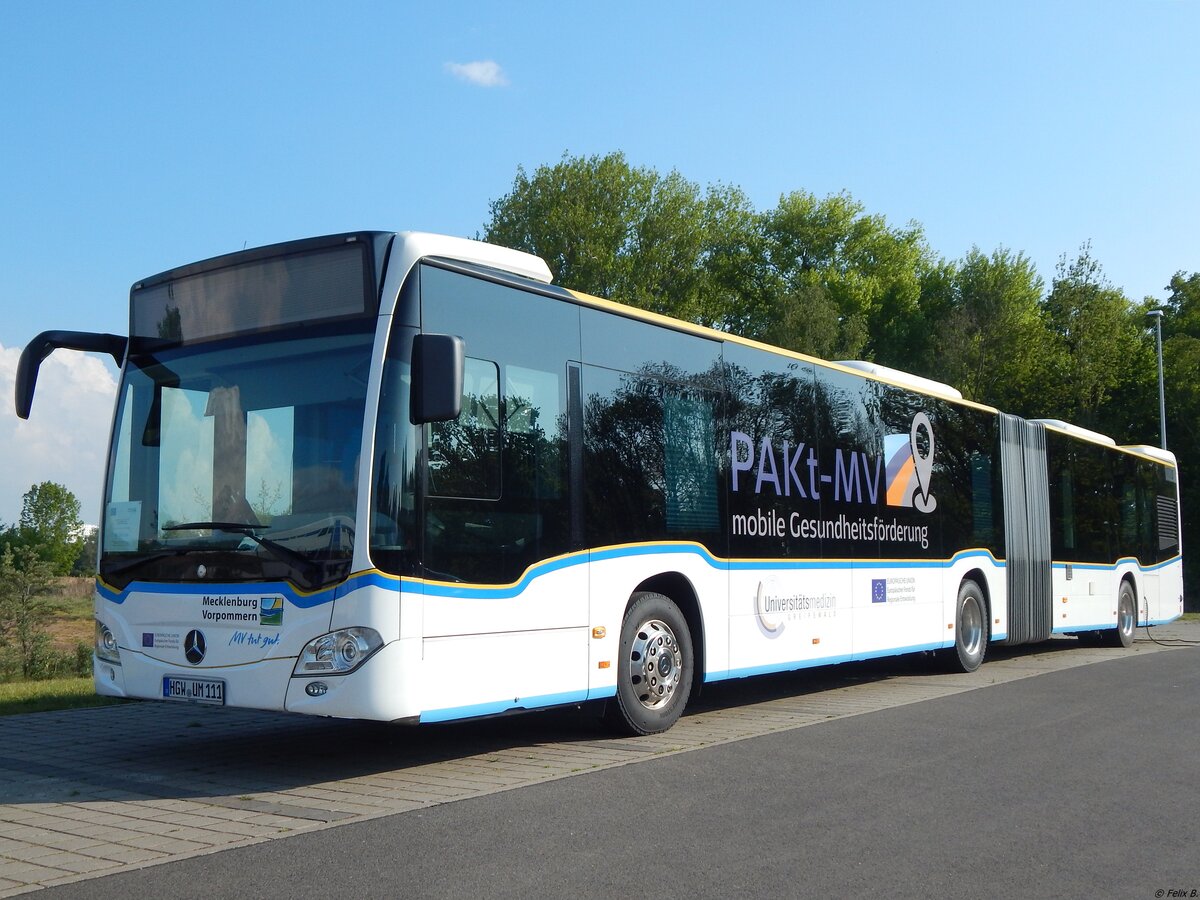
1162, 403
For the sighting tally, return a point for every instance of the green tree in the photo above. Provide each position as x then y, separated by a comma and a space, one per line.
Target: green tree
1183, 306
85, 561
1181, 379
991, 335
1100, 341
25, 580
51, 525
842, 282
625, 232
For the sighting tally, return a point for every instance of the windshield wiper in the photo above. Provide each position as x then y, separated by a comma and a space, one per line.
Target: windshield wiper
313, 573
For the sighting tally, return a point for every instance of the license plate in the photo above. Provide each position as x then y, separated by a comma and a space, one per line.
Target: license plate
194, 690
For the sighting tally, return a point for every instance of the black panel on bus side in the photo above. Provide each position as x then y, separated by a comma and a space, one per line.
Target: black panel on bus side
813, 447
770, 437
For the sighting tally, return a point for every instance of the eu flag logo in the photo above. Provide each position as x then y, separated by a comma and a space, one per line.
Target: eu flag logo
879, 590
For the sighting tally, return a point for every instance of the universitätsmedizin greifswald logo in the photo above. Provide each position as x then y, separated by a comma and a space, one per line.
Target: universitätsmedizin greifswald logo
908, 469
770, 625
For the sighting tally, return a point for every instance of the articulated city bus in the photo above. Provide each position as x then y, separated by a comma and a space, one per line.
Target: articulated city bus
403, 477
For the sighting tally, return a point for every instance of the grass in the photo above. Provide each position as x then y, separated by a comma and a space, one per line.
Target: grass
70, 608
44, 696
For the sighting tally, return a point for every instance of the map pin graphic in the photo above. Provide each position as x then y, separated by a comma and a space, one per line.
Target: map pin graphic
922, 500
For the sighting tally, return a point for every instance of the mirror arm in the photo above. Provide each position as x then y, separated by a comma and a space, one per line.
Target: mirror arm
49, 341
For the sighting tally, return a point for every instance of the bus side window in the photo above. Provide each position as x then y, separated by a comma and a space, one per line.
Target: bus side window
464, 453
535, 429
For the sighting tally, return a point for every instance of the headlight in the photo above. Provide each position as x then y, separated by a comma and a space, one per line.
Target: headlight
338, 652
106, 644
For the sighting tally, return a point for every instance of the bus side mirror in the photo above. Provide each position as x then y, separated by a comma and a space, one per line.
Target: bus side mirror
438, 363
49, 341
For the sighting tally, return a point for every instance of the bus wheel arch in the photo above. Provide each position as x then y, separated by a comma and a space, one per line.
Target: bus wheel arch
1127, 614
971, 625
656, 665
980, 579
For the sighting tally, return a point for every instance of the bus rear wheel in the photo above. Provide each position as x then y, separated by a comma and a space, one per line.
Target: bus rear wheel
970, 630
1122, 635
654, 671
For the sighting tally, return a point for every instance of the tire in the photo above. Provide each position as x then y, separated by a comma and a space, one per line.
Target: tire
654, 672
970, 630
1122, 635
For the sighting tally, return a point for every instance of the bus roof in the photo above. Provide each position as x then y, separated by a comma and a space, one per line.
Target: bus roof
420, 244
1087, 434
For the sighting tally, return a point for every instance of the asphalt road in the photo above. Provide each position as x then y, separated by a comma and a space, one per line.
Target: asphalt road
1077, 783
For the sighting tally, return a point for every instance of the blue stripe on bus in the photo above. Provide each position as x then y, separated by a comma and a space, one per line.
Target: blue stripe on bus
1130, 560
502, 592
376, 578
296, 598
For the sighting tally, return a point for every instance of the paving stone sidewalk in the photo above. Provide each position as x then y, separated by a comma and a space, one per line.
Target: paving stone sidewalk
89, 792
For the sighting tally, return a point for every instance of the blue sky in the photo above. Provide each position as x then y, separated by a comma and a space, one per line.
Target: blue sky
140, 136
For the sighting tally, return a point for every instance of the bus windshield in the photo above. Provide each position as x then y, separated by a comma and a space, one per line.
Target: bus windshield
237, 460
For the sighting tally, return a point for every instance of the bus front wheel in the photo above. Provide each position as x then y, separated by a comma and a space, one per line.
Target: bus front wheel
654, 672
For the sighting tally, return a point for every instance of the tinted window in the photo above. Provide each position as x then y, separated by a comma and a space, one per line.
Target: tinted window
649, 458
394, 486
1087, 517
464, 454
497, 498
617, 342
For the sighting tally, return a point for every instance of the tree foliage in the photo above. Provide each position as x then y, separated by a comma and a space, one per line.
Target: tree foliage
50, 526
25, 580
615, 230
1181, 366
1096, 335
840, 282
991, 334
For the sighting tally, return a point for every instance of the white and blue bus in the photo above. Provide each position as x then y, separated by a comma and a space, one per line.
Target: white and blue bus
403, 477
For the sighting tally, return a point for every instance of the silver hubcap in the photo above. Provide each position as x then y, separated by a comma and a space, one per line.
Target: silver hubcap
970, 629
655, 664
1125, 614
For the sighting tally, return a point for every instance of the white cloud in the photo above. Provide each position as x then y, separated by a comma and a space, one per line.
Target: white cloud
65, 438
483, 73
